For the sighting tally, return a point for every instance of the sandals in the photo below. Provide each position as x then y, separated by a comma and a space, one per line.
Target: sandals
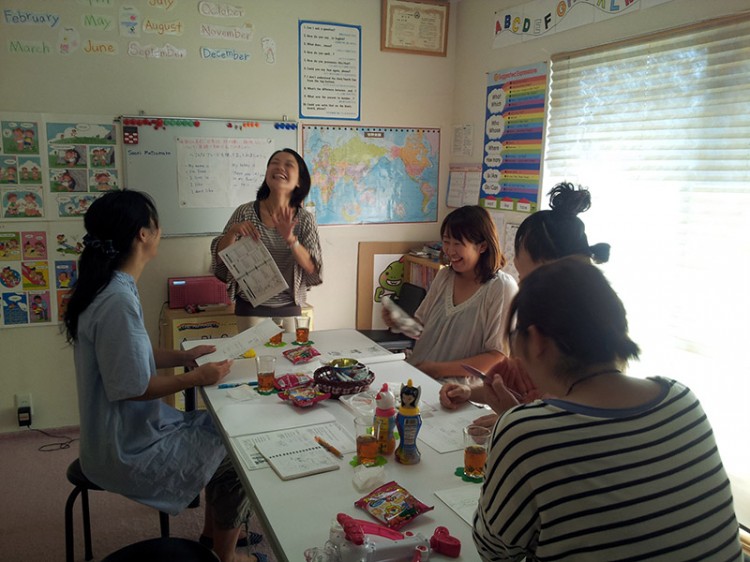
251, 539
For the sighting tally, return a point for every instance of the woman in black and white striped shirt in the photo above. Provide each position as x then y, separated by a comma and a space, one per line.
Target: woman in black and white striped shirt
616, 468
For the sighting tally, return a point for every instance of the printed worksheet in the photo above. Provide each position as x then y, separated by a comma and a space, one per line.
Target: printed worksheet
234, 347
462, 500
445, 433
253, 268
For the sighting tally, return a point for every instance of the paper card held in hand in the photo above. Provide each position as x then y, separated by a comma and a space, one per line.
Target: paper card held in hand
252, 266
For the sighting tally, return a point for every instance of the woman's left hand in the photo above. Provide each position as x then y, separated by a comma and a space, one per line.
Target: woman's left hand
198, 351
497, 395
284, 221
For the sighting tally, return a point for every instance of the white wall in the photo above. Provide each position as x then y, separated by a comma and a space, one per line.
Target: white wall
397, 90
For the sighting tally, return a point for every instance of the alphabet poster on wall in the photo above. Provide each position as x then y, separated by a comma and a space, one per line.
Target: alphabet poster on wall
540, 18
513, 135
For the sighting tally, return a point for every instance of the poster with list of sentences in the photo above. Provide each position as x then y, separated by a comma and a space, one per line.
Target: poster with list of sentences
330, 57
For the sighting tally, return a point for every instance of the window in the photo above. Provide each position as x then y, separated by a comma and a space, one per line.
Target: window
659, 130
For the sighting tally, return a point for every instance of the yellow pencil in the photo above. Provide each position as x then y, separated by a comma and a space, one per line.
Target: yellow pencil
328, 447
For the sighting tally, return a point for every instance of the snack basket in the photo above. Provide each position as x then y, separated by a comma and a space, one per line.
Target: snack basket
328, 379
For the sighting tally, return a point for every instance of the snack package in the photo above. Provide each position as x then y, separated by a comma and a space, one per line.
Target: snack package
292, 380
392, 505
301, 354
304, 397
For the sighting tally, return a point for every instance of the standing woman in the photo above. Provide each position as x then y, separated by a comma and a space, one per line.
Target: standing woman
464, 310
278, 219
132, 443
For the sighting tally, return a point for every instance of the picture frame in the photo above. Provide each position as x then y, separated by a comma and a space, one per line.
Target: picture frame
415, 26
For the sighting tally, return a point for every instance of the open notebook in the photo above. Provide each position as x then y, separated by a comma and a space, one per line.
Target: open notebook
293, 454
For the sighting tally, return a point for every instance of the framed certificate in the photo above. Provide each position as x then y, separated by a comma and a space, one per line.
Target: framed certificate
415, 26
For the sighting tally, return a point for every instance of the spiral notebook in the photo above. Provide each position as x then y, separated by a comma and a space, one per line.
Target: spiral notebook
297, 455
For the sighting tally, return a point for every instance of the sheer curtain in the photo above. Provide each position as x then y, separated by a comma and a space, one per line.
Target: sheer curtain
658, 129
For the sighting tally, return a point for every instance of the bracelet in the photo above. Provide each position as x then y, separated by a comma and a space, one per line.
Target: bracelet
293, 244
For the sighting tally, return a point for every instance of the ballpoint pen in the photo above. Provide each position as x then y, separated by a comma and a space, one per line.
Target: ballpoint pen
236, 384
328, 447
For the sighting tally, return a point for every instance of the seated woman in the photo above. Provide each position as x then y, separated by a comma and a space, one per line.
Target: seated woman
616, 468
542, 237
133, 443
465, 306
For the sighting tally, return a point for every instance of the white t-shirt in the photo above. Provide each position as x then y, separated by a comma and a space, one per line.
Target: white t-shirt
455, 332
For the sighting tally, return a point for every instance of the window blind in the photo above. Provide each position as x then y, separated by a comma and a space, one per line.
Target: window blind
658, 128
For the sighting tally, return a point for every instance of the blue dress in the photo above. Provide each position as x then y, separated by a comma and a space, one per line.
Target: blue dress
142, 449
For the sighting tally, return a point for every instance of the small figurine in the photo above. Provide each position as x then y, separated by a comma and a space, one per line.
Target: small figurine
408, 421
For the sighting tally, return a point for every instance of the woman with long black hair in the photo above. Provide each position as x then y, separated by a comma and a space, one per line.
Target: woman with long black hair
132, 443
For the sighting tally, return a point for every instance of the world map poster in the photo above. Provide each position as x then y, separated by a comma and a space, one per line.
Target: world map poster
372, 174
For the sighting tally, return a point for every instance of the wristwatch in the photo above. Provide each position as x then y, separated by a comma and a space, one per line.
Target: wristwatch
294, 244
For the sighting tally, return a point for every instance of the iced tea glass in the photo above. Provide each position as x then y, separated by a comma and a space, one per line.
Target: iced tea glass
266, 373
302, 328
476, 442
367, 443
276, 340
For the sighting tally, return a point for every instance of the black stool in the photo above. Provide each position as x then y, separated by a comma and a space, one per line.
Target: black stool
165, 549
82, 486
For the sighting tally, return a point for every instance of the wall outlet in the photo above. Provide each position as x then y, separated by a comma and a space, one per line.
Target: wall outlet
23, 409
24, 401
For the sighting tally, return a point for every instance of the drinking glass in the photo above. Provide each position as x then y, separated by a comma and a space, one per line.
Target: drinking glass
476, 441
367, 443
266, 373
302, 328
276, 340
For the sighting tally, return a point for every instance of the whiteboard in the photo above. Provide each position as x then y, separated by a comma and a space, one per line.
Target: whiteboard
198, 170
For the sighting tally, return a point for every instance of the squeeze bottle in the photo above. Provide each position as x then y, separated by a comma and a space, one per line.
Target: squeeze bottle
385, 420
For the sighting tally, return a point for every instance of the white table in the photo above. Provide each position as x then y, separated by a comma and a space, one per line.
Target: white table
298, 513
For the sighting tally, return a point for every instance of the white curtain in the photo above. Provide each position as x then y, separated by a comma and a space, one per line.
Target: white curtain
659, 130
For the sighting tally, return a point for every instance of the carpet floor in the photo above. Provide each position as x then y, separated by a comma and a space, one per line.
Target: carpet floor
34, 491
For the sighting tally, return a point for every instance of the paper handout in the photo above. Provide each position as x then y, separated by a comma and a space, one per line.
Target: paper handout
253, 268
234, 347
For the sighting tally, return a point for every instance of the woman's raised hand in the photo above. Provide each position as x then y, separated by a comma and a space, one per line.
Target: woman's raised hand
284, 221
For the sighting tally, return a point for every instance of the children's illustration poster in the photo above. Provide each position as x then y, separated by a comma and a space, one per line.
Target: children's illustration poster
38, 269
52, 167
21, 178
513, 135
81, 157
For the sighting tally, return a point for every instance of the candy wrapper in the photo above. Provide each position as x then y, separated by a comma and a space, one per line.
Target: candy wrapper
392, 505
301, 354
304, 397
292, 380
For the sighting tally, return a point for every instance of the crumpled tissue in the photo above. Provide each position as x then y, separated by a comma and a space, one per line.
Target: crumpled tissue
368, 477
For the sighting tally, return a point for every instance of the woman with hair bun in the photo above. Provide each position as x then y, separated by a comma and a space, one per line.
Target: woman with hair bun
542, 237
558, 232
